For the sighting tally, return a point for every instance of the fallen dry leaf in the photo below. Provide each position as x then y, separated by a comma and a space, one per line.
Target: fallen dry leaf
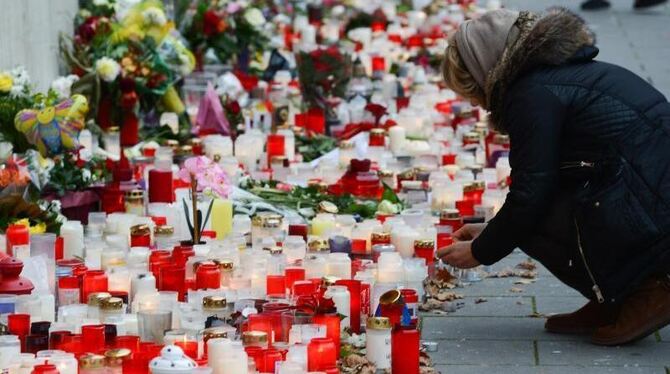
480, 300
516, 290
527, 265
525, 281
536, 315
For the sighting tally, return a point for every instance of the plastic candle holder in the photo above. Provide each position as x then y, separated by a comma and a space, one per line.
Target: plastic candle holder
19, 325
405, 350
45, 369
131, 342
181, 253
292, 275
7, 303
354, 287
322, 354
172, 279
93, 337
18, 236
298, 230
93, 281
260, 322
276, 285
275, 146
160, 186
332, 323
56, 338
466, 207
36, 343
152, 324
208, 276
303, 288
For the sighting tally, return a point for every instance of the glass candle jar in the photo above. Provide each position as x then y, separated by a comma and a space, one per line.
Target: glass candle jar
164, 237
140, 236
322, 354
93, 281
112, 306
425, 248
266, 225
276, 285
134, 202
332, 323
342, 300
378, 342
377, 138
208, 276
153, 323
93, 338
92, 364
347, 152
339, 265
405, 350
115, 358
17, 241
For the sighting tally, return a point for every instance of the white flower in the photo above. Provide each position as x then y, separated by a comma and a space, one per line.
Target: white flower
124, 6
85, 174
63, 85
100, 2
254, 17
387, 207
85, 154
107, 69
20, 75
154, 16
6, 149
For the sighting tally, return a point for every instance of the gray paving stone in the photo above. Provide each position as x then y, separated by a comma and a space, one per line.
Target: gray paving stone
514, 306
478, 369
485, 352
645, 353
664, 333
488, 328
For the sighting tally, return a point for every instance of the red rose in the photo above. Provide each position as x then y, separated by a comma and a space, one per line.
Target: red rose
233, 107
211, 23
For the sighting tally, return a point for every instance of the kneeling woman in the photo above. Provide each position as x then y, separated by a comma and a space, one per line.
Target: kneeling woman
590, 157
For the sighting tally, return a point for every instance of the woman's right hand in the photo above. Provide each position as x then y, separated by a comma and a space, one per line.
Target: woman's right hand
469, 232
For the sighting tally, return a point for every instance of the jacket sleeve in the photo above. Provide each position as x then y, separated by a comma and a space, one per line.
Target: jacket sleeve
534, 119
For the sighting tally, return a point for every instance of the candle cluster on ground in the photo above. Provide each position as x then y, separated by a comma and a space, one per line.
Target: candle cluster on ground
240, 252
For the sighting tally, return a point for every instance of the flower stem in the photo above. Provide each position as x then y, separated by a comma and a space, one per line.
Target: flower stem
194, 201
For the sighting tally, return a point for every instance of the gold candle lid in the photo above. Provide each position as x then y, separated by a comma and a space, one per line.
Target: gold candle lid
254, 337
94, 298
408, 174
478, 185
164, 230
424, 243
225, 265
385, 173
318, 245
390, 297
471, 136
318, 184
380, 236
140, 230
118, 353
214, 302
346, 144
450, 214
135, 194
278, 160
501, 139
195, 141
276, 250
91, 361
328, 207
174, 144
113, 130
111, 303
185, 150
267, 220
377, 132
214, 332
378, 323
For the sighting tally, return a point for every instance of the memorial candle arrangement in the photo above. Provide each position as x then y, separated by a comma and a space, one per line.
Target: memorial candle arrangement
292, 227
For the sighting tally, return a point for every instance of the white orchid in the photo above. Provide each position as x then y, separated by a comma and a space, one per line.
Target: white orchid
107, 68
255, 17
63, 85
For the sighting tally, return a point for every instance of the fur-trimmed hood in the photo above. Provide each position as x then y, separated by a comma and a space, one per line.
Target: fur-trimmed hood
549, 39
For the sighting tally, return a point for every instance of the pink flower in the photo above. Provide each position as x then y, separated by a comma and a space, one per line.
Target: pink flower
233, 7
207, 174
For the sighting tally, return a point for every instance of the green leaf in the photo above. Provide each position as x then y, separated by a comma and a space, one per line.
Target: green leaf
390, 195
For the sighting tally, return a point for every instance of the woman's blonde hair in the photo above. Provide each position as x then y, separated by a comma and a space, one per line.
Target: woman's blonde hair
457, 77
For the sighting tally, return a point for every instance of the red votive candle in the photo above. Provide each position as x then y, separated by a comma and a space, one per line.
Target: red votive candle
160, 186
172, 279
405, 350
140, 236
45, 369
466, 207
275, 146
17, 235
19, 325
378, 63
59, 247
131, 342
292, 275
425, 249
158, 258
189, 347
303, 288
68, 290
93, 281
444, 240
452, 218
276, 285
270, 359
260, 322
298, 230
208, 276
332, 323
359, 247
93, 338
56, 338
36, 343
181, 253
377, 138
354, 287
322, 354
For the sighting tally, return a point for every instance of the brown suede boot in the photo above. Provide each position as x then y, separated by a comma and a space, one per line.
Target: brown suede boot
583, 321
642, 313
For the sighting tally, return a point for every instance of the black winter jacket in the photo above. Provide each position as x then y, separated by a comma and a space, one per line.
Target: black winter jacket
588, 130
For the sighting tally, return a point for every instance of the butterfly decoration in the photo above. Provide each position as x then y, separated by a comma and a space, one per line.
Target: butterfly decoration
53, 129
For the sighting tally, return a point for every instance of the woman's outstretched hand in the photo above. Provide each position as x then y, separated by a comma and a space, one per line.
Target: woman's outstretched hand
469, 232
459, 255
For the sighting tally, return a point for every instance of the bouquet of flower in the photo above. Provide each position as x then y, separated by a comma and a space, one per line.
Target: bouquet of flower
323, 75
232, 30
75, 171
128, 58
15, 95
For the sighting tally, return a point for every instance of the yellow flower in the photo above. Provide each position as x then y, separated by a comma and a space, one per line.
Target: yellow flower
40, 228
6, 82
